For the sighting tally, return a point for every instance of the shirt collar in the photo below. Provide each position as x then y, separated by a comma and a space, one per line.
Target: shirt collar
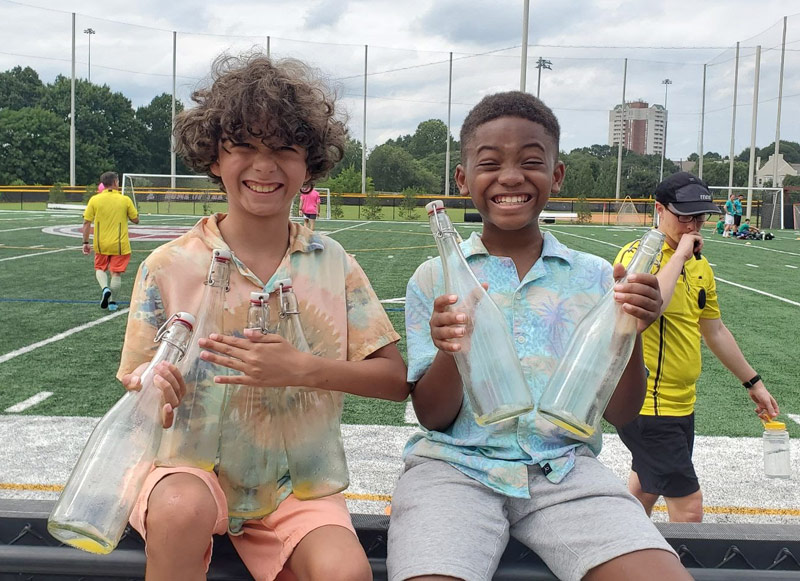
301, 239
551, 248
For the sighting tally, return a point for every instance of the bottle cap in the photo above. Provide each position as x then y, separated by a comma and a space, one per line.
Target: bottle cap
773, 425
185, 318
286, 283
220, 254
434, 206
258, 297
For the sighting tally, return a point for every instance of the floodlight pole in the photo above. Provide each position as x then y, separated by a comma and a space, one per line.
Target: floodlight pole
172, 161
753, 126
622, 133
447, 149
541, 64
523, 65
702, 125
364, 137
72, 112
666, 83
778, 123
733, 122
90, 32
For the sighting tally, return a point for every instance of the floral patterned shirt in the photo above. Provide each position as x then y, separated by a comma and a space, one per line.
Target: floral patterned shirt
542, 311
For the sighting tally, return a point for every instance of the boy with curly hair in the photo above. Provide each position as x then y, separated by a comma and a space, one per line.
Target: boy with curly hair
262, 130
466, 487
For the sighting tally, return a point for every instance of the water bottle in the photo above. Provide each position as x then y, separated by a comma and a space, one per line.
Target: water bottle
598, 352
311, 422
193, 439
487, 362
95, 505
251, 455
777, 457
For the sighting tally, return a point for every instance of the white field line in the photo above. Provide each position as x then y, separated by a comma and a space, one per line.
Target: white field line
794, 417
751, 246
26, 228
348, 228
40, 253
751, 265
30, 402
33, 346
789, 266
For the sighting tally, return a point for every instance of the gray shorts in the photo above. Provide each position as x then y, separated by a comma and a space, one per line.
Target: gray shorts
446, 523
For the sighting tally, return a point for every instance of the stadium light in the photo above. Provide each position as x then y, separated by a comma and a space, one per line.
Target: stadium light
666, 83
541, 64
90, 32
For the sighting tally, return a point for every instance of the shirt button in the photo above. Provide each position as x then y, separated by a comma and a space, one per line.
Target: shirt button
518, 295
520, 339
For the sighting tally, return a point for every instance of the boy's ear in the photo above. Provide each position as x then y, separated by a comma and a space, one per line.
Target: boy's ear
558, 177
214, 168
461, 180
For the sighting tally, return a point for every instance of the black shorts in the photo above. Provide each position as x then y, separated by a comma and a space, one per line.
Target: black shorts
661, 447
737, 219
310, 216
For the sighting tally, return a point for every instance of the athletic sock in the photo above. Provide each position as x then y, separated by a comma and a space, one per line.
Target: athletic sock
101, 277
116, 282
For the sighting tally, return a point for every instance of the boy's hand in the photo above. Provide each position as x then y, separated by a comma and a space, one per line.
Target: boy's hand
451, 328
640, 296
264, 360
166, 378
765, 403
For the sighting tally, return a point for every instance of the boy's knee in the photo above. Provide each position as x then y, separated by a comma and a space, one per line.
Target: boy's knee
350, 570
181, 502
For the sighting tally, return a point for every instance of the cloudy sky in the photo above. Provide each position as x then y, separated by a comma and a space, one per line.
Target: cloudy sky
408, 56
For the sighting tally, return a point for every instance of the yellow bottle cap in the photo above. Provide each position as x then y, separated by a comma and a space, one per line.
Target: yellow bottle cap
774, 425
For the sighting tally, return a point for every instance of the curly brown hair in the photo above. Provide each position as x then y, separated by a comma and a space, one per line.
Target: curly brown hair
280, 102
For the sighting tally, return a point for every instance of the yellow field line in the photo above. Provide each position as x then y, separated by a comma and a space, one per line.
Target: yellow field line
741, 510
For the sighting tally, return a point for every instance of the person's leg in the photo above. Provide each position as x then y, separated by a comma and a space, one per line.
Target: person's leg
181, 517
685, 508
311, 222
647, 565
330, 553
102, 278
635, 488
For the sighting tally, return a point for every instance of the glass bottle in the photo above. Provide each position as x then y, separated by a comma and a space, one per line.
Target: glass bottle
97, 501
598, 352
251, 455
311, 422
488, 362
777, 456
193, 439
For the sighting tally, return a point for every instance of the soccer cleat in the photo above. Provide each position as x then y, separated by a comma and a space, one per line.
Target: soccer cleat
112, 306
106, 297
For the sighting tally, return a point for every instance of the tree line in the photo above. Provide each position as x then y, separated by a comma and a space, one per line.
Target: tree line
113, 135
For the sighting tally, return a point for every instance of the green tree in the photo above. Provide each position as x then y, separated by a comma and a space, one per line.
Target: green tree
408, 207
34, 146
578, 178
640, 182
57, 195
394, 169
156, 119
430, 137
791, 181
351, 159
717, 173
606, 183
20, 88
347, 182
372, 207
583, 209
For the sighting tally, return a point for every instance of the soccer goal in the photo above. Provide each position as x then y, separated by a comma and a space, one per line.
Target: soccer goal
796, 215
324, 204
180, 194
765, 203
628, 215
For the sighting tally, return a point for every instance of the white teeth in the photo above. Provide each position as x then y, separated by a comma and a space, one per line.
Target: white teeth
510, 199
261, 189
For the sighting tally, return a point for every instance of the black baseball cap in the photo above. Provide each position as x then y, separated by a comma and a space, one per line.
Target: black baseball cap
686, 195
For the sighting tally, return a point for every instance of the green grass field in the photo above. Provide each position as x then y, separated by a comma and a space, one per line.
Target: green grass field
48, 287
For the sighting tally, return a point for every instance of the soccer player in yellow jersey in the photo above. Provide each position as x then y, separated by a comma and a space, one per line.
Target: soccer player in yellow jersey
661, 438
110, 211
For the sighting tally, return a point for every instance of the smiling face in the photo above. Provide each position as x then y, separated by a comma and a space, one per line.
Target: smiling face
510, 170
260, 180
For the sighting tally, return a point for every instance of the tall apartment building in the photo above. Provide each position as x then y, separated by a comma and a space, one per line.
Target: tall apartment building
644, 127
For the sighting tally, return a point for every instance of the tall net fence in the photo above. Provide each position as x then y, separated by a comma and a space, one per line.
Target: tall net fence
406, 86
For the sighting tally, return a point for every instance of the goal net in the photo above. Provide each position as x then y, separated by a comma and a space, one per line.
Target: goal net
796, 214
180, 194
324, 204
628, 215
766, 209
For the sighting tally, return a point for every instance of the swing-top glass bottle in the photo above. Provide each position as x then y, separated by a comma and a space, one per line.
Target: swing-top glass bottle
311, 422
193, 439
95, 505
487, 361
251, 455
579, 390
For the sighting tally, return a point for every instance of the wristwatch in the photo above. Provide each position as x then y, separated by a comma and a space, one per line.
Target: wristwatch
752, 382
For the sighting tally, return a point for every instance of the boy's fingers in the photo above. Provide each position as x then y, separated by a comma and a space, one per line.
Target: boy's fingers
167, 416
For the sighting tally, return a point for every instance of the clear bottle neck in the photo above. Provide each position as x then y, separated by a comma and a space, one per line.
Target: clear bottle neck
649, 248
258, 316
174, 339
441, 226
219, 273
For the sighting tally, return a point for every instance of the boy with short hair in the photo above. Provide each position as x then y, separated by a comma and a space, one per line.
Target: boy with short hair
109, 211
262, 130
466, 487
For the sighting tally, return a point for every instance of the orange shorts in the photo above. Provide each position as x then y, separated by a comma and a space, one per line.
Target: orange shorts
264, 545
113, 262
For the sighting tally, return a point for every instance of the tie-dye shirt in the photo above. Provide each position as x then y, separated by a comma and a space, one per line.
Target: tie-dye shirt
542, 311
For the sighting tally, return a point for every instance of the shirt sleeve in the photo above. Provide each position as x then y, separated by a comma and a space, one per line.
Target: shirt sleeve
711, 310
133, 213
144, 319
88, 214
419, 308
368, 326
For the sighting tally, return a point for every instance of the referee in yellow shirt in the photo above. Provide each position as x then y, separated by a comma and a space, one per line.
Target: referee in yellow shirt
662, 437
109, 211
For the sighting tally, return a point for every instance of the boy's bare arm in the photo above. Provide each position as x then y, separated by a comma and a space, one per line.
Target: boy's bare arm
438, 394
271, 361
